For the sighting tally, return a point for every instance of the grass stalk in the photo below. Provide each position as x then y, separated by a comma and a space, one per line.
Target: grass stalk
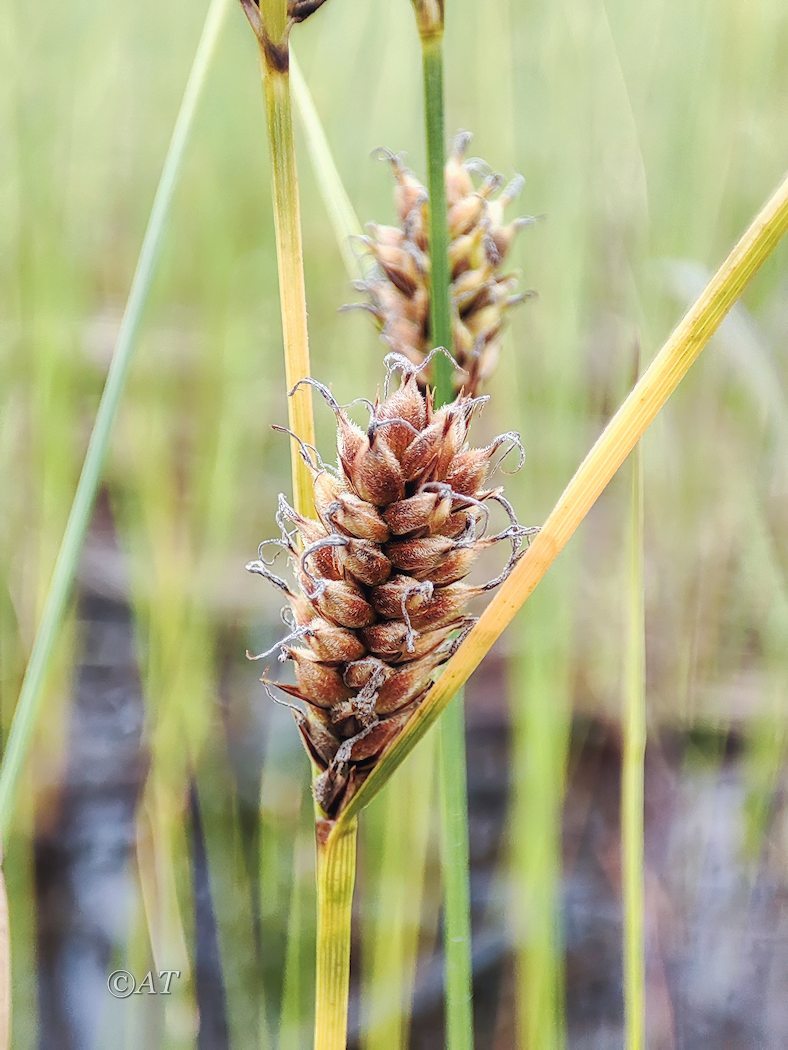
290, 260
336, 872
271, 24
336, 860
541, 696
608, 453
434, 123
632, 774
66, 563
452, 778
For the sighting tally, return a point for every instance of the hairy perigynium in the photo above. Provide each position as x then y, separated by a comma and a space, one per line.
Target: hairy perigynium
379, 600
480, 239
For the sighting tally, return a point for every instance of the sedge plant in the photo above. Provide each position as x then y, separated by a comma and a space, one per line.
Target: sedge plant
396, 528
371, 553
640, 409
373, 612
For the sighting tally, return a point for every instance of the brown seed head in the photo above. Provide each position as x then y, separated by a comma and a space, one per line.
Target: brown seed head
480, 241
379, 596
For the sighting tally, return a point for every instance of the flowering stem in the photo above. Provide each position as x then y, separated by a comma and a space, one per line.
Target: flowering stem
455, 848
274, 55
619, 437
336, 857
336, 871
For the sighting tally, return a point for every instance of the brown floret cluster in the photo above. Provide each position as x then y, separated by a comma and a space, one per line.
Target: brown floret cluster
398, 293
380, 597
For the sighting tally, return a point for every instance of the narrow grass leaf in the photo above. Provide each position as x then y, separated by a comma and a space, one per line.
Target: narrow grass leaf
27, 710
340, 210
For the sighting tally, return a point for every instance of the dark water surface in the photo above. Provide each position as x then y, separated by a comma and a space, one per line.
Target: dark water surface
716, 923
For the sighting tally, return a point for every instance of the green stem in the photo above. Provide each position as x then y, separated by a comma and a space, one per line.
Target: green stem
28, 706
290, 260
632, 776
455, 848
440, 300
336, 871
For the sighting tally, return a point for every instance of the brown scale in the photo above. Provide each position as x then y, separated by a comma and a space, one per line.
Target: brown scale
379, 600
480, 238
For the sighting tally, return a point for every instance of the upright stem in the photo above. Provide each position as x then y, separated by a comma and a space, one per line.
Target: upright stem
440, 301
336, 872
632, 776
290, 260
336, 855
455, 848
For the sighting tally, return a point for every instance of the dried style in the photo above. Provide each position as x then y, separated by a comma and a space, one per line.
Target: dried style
398, 294
380, 600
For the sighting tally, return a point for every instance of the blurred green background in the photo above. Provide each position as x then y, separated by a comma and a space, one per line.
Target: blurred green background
164, 821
